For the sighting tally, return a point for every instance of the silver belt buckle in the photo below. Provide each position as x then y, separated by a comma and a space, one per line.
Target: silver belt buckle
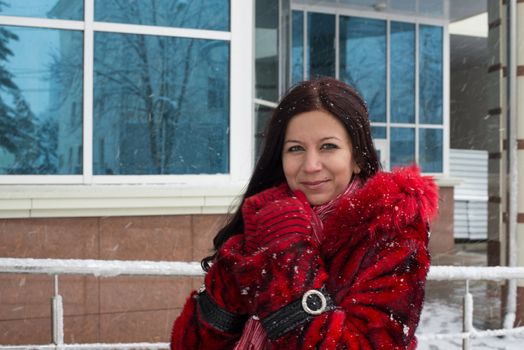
312, 293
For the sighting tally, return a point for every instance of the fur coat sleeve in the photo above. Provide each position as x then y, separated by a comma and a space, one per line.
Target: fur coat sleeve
202, 326
377, 260
373, 262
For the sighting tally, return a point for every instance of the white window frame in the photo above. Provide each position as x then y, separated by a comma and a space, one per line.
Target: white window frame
382, 145
94, 195
241, 80
389, 17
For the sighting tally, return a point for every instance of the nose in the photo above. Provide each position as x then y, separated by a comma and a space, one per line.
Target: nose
312, 162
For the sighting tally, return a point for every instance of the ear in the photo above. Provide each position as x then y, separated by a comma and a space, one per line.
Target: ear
356, 168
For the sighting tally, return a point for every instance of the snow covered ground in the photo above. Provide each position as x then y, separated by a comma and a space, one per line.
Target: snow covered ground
442, 313
440, 318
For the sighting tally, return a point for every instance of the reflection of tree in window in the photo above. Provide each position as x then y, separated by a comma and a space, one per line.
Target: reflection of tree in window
321, 34
27, 142
9, 131
169, 13
297, 50
153, 86
72, 121
363, 61
70, 159
431, 147
430, 44
215, 93
78, 162
65, 78
101, 157
402, 146
150, 91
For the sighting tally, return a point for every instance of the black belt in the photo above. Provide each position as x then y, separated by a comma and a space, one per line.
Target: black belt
219, 318
314, 302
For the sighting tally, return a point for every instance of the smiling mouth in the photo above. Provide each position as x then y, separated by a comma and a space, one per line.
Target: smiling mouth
313, 185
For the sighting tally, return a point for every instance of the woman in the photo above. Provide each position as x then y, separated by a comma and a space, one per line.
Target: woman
326, 251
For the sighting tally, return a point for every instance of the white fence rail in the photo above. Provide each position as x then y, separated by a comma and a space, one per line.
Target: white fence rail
110, 268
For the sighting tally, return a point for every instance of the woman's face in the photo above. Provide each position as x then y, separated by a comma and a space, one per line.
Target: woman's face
317, 156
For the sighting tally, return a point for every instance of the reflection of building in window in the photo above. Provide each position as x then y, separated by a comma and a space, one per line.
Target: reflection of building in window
70, 160
72, 120
407, 124
158, 110
150, 94
67, 9
66, 88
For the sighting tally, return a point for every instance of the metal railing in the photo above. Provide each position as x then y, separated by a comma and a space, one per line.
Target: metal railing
111, 268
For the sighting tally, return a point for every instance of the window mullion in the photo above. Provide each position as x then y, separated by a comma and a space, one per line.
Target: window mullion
305, 74
446, 99
417, 109
337, 46
388, 87
88, 92
242, 60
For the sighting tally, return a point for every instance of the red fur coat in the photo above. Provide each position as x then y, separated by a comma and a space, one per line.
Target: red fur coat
373, 263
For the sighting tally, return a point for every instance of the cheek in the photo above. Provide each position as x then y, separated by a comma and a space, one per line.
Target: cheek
344, 170
290, 171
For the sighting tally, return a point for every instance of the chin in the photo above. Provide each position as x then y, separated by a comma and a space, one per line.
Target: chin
320, 198
317, 199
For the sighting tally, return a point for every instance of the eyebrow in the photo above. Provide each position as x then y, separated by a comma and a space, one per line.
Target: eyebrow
322, 139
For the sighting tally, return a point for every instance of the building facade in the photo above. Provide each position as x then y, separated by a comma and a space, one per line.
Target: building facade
129, 128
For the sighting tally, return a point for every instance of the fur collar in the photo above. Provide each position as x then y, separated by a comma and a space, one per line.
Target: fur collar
387, 201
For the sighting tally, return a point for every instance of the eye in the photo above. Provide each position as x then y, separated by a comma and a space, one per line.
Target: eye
328, 146
295, 148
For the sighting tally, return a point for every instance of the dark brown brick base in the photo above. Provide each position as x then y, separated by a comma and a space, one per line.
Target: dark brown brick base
519, 317
117, 309
442, 240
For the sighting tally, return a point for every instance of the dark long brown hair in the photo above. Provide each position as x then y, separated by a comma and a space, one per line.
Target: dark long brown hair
322, 94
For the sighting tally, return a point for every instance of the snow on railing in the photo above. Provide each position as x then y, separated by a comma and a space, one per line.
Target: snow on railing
100, 268
92, 346
110, 268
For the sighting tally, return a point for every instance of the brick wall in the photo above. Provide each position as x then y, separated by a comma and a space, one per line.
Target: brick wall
118, 309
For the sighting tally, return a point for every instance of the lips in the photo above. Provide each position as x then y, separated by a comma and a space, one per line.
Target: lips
313, 185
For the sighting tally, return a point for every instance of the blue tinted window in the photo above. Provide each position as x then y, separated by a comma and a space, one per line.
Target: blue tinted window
40, 101
71, 9
378, 132
321, 51
199, 14
402, 146
161, 105
402, 67
297, 47
266, 50
363, 61
431, 150
262, 116
430, 70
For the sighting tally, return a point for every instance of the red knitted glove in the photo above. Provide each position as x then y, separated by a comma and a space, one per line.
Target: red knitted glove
279, 251
272, 214
278, 219
253, 204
